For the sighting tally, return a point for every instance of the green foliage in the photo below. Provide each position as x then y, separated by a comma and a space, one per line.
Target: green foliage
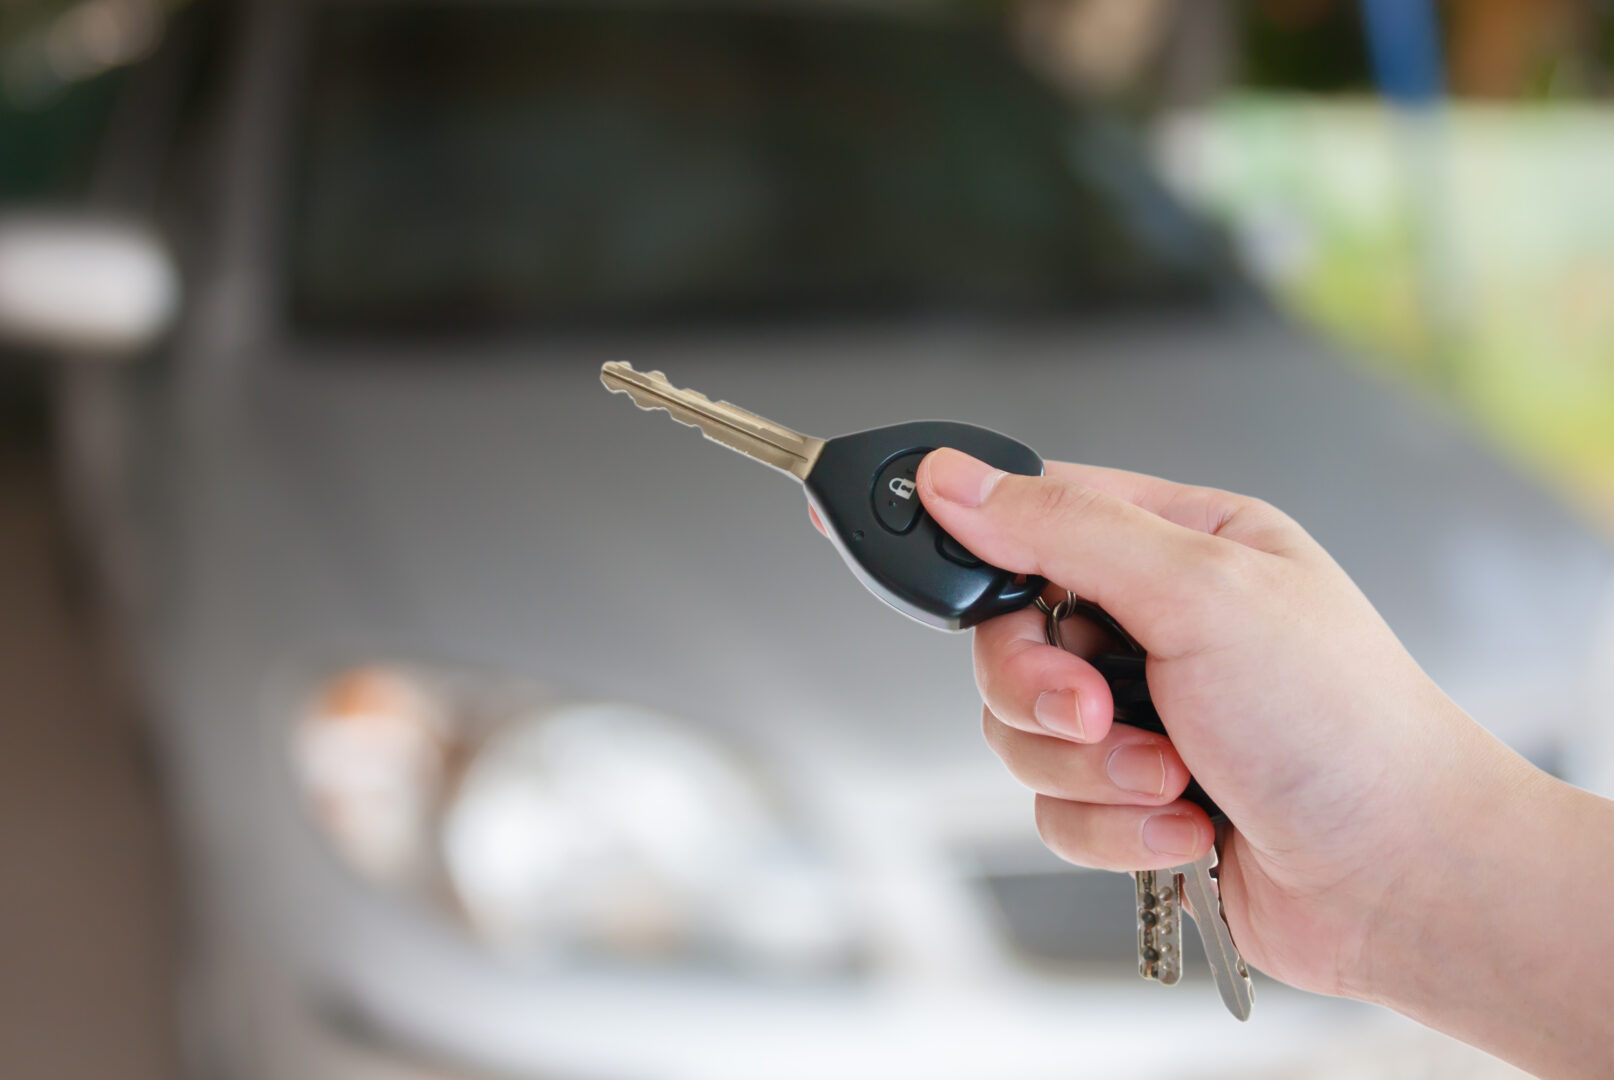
1470, 252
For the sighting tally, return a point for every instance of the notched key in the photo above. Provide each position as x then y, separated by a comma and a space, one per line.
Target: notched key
736, 428
1159, 926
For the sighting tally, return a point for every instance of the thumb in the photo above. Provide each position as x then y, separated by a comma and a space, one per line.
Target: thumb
1146, 571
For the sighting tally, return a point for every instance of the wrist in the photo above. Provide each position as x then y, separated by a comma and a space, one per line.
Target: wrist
1490, 931
1464, 830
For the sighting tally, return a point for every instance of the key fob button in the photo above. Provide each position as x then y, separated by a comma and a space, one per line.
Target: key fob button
896, 495
953, 551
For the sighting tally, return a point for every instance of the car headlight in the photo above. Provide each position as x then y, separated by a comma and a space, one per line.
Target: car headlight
563, 828
371, 752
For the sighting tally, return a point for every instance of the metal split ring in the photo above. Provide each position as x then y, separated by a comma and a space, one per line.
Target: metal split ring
1054, 615
1058, 612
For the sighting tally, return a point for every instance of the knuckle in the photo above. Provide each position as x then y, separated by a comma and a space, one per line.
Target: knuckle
1083, 835
1225, 508
1257, 523
1047, 828
1265, 523
1058, 500
1019, 668
1005, 677
988, 657
1058, 827
1223, 567
1177, 779
998, 641
1271, 517
1260, 509
992, 730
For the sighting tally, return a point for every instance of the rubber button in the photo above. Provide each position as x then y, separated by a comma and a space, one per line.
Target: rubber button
953, 551
896, 495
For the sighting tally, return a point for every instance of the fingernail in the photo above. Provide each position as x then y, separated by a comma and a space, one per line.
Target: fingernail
1139, 769
1172, 834
1060, 713
959, 478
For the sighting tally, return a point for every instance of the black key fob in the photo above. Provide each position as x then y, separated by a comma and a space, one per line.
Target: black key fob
863, 488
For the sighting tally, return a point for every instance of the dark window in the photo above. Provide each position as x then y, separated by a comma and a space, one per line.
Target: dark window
512, 168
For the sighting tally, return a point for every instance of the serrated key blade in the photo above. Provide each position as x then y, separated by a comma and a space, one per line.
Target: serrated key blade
736, 428
1227, 966
1159, 926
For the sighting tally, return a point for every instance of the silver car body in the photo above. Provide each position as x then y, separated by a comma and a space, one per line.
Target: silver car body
266, 509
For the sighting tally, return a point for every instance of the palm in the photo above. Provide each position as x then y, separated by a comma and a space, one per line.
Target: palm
1311, 820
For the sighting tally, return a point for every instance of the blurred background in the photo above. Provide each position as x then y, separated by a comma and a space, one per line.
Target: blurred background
382, 699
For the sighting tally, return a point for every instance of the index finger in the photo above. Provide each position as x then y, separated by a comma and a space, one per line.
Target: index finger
1203, 509
1145, 570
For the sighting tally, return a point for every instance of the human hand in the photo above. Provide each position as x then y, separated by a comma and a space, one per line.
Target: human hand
1338, 761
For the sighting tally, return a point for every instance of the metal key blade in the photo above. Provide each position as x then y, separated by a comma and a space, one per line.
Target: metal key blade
736, 428
1159, 926
1227, 966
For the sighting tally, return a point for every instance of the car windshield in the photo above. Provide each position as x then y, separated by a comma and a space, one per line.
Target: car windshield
508, 167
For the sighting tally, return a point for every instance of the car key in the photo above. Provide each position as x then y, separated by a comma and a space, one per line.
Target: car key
1161, 893
863, 488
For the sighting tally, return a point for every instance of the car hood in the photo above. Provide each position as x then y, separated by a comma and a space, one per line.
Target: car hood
508, 511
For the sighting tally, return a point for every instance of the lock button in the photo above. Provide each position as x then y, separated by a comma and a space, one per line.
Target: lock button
896, 494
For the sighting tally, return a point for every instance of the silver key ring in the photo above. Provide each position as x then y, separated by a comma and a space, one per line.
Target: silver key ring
1075, 605
1055, 615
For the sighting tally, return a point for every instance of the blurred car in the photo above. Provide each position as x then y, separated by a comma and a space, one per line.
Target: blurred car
511, 732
